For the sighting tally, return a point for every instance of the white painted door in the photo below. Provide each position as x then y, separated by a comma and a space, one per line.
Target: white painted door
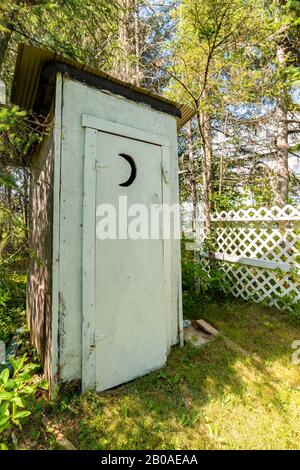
129, 313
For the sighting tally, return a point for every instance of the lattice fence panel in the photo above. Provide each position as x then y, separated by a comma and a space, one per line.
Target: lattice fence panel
262, 285
257, 241
258, 250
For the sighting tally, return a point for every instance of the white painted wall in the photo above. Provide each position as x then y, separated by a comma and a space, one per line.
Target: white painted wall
79, 99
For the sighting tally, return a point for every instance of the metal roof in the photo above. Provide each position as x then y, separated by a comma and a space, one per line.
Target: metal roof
32, 75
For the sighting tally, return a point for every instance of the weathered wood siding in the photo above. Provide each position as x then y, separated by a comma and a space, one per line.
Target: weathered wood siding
54, 296
39, 282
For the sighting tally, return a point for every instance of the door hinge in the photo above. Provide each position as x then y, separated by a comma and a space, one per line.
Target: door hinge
165, 173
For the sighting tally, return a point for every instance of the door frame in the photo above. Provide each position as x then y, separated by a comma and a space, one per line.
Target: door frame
92, 126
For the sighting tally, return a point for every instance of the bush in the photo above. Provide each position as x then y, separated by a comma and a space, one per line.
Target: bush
201, 283
17, 395
12, 305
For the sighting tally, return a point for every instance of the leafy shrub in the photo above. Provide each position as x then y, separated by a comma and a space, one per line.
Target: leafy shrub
201, 282
12, 305
291, 306
18, 132
17, 394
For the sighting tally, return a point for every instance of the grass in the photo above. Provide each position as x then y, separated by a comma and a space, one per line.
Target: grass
212, 398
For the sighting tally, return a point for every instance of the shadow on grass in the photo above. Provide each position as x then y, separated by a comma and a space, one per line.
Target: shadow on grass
178, 407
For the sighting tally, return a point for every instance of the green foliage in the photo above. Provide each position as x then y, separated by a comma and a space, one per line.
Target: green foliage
12, 304
18, 133
13, 261
293, 307
226, 200
17, 393
12, 232
86, 31
201, 282
7, 180
212, 65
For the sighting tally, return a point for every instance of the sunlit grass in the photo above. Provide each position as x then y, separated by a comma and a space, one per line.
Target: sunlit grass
212, 398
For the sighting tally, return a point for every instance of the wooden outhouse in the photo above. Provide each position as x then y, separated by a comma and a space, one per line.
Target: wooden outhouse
103, 311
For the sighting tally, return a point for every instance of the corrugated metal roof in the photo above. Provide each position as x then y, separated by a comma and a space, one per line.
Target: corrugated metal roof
31, 62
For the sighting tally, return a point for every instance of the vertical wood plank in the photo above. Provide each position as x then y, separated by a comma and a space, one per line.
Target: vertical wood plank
88, 261
167, 242
56, 235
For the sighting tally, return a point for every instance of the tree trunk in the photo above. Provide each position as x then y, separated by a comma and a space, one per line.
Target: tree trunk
282, 145
8, 204
192, 179
124, 38
25, 200
137, 43
204, 128
222, 162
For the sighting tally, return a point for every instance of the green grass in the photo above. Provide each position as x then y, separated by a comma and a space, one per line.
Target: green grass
212, 398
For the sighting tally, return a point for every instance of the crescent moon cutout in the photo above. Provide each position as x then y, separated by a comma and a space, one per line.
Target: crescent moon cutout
132, 176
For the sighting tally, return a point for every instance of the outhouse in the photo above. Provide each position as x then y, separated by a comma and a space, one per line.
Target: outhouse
100, 310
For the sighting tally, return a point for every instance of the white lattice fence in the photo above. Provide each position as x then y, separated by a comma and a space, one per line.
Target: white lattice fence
257, 249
